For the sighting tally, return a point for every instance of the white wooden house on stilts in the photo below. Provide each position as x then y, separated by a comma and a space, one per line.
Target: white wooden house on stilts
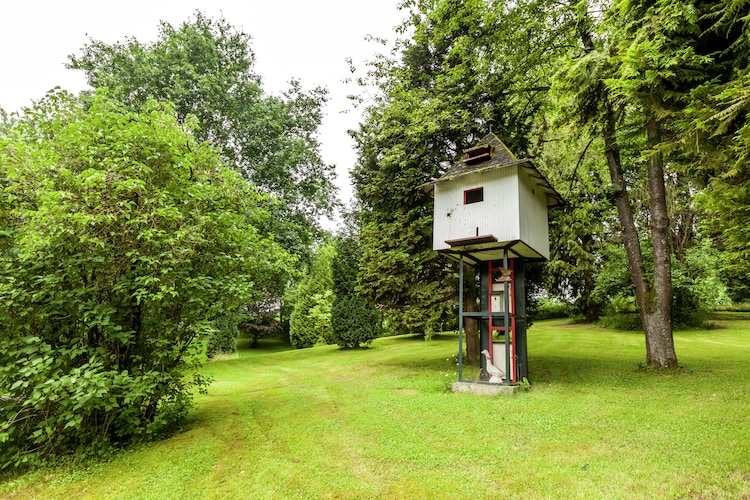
490, 213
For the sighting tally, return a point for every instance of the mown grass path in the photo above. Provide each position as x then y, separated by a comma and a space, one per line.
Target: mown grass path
379, 423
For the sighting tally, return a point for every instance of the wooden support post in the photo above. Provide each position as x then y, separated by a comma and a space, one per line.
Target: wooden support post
460, 318
484, 306
519, 296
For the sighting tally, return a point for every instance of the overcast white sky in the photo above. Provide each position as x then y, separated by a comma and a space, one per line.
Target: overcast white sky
308, 40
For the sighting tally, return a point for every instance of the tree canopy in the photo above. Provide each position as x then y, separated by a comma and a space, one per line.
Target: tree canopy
204, 68
636, 110
453, 81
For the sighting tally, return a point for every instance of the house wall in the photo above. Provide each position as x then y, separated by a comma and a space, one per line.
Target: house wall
534, 223
513, 209
496, 215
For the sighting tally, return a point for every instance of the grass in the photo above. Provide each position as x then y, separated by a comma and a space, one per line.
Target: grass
380, 423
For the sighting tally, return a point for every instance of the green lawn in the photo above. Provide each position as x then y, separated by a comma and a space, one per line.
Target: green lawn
324, 423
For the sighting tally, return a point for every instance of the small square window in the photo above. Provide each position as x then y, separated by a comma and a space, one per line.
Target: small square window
473, 195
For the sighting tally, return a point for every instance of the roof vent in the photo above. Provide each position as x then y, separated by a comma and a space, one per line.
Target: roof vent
478, 153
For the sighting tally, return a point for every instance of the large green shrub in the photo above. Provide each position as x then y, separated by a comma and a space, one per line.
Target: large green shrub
223, 338
121, 239
697, 284
355, 322
549, 308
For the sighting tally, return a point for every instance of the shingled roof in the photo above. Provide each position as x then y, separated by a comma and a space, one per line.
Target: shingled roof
500, 156
489, 154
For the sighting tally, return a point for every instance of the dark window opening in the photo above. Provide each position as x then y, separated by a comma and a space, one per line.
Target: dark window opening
478, 153
473, 195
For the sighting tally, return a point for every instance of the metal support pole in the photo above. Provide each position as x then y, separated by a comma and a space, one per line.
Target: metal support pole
506, 320
460, 318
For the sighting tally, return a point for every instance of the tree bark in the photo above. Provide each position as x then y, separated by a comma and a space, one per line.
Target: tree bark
659, 341
620, 193
654, 302
470, 305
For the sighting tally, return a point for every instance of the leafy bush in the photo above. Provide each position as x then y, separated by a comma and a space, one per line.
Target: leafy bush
355, 322
621, 321
698, 287
120, 238
547, 308
223, 338
740, 307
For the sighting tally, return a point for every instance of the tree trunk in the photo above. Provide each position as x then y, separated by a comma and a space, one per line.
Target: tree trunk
470, 305
654, 302
620, 192
659, 342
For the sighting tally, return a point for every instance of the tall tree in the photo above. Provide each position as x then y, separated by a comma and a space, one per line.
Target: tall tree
204, 68
637, 66
469, 67
627, 75
654, 59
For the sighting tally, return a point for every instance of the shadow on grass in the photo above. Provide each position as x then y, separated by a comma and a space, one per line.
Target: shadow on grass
550, 369
410, 337
263, 345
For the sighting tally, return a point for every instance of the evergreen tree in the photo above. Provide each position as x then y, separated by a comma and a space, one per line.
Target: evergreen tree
470, 66
354, 320
310, 320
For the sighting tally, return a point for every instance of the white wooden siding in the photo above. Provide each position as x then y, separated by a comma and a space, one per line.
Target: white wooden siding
534, 223
513, 209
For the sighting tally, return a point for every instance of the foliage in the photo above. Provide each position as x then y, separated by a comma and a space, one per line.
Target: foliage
714, 140
345, 265
122, 239
223, 337
622, 316
354, 320
310, 320
614, 286
698, 285
205, 68
726, 204
468, 67
630, 75
582, 228
548, 308
655, 92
